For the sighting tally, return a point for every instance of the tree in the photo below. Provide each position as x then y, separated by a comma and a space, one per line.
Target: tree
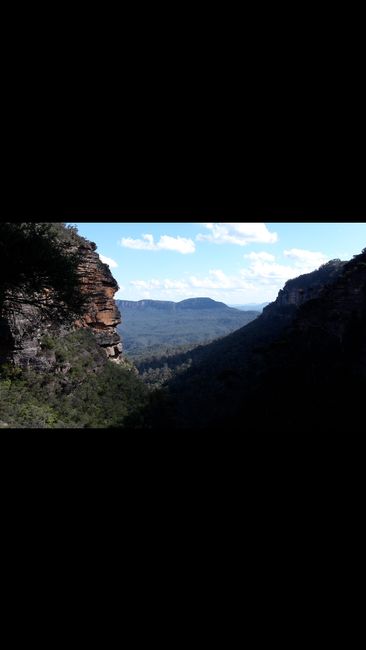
39, 263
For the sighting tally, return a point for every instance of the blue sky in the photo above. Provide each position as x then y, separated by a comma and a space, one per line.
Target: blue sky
236, 263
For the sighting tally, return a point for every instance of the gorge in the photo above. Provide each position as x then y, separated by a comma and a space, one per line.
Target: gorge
297, 367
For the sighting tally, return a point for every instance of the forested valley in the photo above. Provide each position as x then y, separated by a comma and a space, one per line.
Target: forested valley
298, 366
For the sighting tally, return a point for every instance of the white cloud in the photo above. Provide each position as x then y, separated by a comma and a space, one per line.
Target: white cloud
146, 243
216, 279
259, 281
109, 261
120, 293
304, 258
268, 272
143, 284
179, 244
166, 242
267, 257
264, 272
238, 233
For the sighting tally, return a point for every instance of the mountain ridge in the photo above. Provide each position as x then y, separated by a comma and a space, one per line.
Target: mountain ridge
170, 305
154, 327
306, 351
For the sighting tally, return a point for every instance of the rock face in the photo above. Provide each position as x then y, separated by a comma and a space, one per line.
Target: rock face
22, 331
306, 287
342, 308
20, 335
101, 313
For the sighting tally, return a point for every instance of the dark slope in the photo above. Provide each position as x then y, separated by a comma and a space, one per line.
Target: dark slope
152, 326
300, 366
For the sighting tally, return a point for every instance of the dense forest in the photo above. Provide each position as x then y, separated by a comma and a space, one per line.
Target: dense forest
157, 327
298, 367
37, 258
83, 390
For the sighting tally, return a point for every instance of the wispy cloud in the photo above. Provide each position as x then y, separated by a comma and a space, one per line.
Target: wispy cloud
216, 279
109, 261
305, 258
267, 257
166, 242
238, 233
259, 281
270, 274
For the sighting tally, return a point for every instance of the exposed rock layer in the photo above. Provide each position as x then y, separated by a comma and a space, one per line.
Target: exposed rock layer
101, 312
22, 331
306, 287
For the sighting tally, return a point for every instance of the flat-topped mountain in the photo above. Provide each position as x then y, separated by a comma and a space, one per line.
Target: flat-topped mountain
148, 326
201, 303
165, 305
169, 305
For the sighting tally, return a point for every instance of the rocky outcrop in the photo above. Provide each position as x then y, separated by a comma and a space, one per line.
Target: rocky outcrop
306, 287
22, 331
101, 312
342, 306
296, 296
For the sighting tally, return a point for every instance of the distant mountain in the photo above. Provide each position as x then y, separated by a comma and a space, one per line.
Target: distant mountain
169, 305
164, 305
153, 326
201, 303
300, 367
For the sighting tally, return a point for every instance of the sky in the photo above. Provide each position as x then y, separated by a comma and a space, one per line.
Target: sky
236, 263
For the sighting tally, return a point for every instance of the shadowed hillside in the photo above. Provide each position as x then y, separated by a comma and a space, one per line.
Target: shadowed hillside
300, 366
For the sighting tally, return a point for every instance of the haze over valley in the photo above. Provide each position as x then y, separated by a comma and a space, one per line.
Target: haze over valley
150, 327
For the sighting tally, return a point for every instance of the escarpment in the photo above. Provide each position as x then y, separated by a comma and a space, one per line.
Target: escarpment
25, 327
101, 313
300, 290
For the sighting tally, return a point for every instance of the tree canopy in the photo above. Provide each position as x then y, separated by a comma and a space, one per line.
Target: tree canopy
39, 266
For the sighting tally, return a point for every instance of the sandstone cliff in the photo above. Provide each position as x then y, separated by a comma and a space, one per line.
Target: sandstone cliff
306, 287
22, 331
101, 313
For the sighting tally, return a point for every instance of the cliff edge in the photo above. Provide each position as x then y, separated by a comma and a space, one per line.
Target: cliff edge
23, 327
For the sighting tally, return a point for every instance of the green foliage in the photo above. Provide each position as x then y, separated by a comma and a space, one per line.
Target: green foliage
325, 274
84, 390
10, 372
36, 258
159, 369
47, 342
159, 329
